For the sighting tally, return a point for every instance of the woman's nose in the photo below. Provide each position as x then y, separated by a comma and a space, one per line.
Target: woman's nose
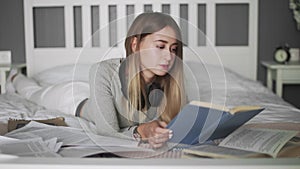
167, 55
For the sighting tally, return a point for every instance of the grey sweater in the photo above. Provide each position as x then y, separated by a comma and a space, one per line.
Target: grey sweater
107, 107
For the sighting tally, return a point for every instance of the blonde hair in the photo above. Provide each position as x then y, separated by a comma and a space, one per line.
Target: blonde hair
172, 83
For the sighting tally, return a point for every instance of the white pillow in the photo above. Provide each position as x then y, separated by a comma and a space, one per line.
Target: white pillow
64, 96
64, 73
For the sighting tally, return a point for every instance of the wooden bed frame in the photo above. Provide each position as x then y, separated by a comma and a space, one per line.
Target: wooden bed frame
239, 58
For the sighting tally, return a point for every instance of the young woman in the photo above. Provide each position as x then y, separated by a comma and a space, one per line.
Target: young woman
131, 98
136, 97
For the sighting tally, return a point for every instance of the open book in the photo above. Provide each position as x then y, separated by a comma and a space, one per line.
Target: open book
199, 122
251, 142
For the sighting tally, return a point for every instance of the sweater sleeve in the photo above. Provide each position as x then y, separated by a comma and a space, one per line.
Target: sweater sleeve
100, 107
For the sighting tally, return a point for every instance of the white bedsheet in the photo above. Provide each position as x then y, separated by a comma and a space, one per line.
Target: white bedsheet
15, 106
225, 87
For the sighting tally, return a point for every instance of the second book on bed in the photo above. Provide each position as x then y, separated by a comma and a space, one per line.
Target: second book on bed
199, 122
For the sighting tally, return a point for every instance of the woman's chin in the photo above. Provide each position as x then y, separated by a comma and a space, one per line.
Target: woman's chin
160, 72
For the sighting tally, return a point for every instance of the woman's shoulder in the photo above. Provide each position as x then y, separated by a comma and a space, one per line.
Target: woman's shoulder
108, 65
110, 62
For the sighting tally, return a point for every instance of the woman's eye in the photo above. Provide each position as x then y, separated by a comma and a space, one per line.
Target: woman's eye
160, 47
174, 50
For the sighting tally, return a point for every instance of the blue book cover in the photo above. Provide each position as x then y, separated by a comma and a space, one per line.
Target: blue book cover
199, 122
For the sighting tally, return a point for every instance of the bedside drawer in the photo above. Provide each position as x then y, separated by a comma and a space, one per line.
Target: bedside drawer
291, 74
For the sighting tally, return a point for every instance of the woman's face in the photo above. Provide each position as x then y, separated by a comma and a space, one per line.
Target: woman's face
158, 51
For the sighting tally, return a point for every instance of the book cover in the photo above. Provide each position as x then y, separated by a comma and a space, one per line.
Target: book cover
199, 122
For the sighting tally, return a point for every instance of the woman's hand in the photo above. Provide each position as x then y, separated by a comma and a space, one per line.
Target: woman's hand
155, 133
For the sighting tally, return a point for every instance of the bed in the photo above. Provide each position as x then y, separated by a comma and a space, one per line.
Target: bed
92, 30
236, 90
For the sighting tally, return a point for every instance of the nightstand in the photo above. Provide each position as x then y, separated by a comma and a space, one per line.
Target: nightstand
4, 69
282, 74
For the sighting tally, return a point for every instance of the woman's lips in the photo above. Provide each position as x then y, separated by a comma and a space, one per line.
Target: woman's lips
164, 67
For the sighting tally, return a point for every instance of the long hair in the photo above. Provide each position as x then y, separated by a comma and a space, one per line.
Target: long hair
172, 83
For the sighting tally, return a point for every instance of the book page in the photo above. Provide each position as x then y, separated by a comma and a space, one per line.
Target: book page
231, 110
238, 109
215, 151
276, 125
210, 105
265, 141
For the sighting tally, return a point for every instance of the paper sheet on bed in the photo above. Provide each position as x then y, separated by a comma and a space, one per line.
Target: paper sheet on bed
84, 151
69, 136
76, 142
35, 147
